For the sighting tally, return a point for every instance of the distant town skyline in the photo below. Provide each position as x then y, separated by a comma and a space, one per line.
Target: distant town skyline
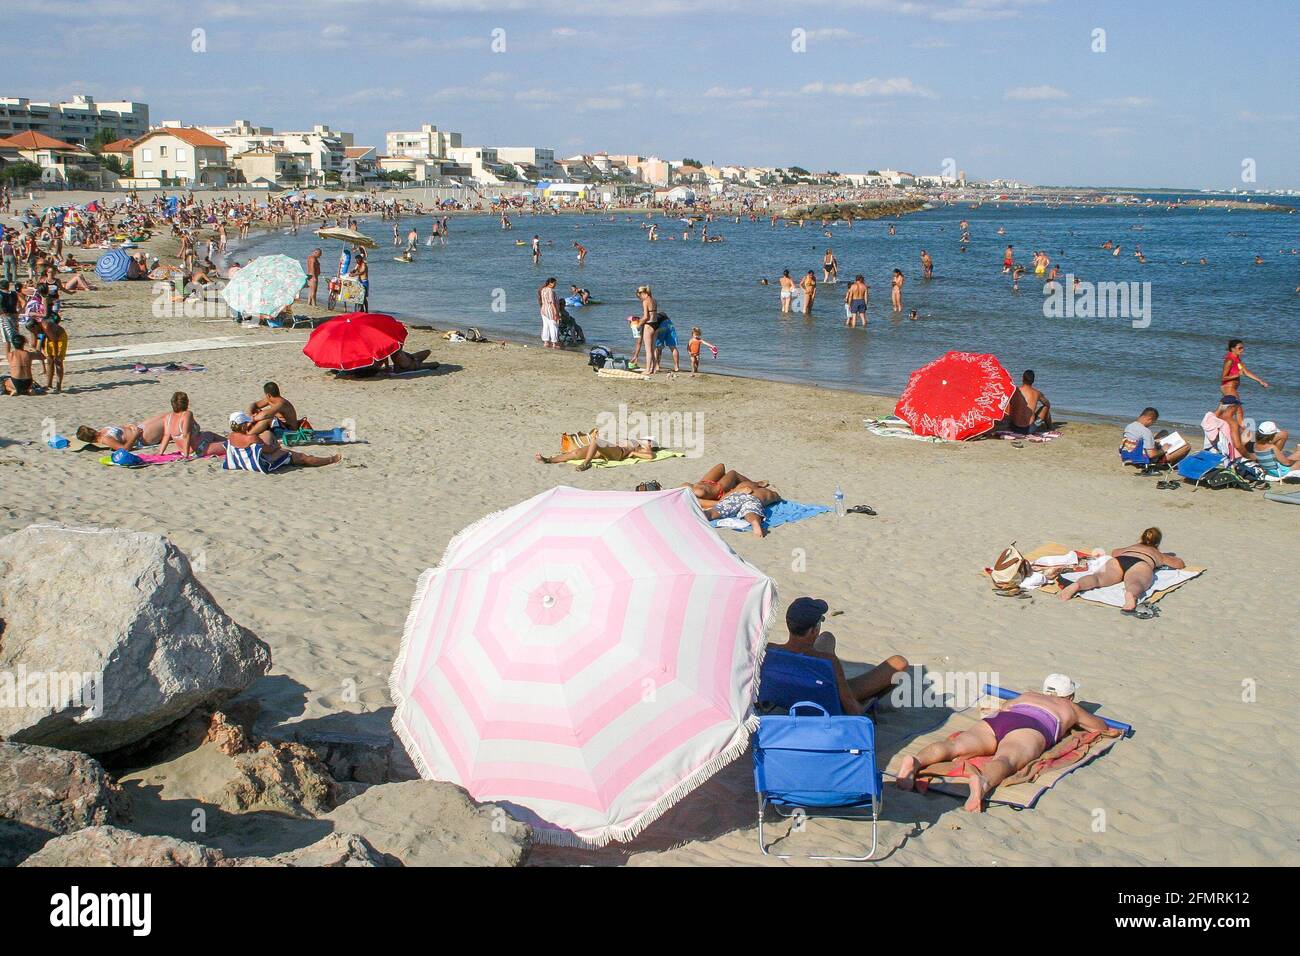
1192, 95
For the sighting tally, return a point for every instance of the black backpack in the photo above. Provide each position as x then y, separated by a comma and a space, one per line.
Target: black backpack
598, 357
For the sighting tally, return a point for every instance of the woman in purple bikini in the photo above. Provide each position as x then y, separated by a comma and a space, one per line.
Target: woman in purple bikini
1013, 737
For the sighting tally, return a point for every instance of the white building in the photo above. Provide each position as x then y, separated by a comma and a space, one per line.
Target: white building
483, 162
428, 142
325, 148
182, 154
539, 157
77, 121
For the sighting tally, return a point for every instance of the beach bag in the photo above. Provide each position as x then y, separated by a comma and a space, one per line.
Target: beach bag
1218, 478
598, 357
1249, 470
1009, 569
572, 441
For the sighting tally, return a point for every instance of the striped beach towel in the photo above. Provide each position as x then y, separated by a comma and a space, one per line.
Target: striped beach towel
253, 458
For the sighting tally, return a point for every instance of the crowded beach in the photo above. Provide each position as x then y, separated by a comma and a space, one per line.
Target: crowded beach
892, 559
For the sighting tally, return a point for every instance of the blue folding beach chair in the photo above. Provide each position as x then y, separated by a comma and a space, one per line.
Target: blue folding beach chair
788, 678
1136, 456
818, 764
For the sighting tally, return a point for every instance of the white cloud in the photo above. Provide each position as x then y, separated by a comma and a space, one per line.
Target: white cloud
1035, 93
895, 86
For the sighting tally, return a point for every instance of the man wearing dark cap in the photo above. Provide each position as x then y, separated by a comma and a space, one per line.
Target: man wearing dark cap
804, 619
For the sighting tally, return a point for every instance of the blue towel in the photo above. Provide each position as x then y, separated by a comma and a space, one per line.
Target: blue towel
783, 512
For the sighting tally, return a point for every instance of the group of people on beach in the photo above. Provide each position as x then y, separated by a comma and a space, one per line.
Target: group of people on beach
254, 431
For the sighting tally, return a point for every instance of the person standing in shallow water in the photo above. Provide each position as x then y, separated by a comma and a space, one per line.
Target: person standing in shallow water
896, 294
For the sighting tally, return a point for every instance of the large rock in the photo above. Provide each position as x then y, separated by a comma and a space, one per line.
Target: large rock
122, 608
427, 823
282, 778
332, 850
113, 846
45, 793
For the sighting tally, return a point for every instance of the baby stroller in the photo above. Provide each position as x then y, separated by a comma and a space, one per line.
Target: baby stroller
570, 331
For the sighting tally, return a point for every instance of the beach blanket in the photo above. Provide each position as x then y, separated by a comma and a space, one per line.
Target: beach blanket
1021, 790
1165, 580
621, 373
660, 455
145, 460
783, 512
892, 427
1291, 499
169, 367
1037, 437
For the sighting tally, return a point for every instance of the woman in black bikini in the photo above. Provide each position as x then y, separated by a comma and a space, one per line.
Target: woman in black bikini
1134, 565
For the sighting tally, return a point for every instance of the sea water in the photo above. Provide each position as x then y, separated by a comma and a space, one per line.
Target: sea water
1104, 365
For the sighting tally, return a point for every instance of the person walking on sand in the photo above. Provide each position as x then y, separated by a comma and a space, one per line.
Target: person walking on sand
550, 314
693, 349
1020, 732
896, 293
313, 275
809, 287
856, 300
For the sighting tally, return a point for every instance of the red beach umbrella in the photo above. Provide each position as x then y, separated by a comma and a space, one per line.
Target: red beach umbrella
354, 340
956, 397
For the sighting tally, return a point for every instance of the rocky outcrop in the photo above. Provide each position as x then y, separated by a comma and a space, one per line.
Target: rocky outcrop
107, 637
45, 793
867, 209
336, 849
282, 778
113, 846
427, 823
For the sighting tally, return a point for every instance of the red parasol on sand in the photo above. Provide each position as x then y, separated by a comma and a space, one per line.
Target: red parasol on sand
956, 397
354, 340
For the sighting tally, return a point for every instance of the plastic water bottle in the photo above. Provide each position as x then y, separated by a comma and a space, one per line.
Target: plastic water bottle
839, 501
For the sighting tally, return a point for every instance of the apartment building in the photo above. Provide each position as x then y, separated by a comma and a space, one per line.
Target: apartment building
76, 121
428, 142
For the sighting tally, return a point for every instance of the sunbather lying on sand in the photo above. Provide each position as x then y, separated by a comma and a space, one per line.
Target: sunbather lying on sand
717, 482
747, 501
803, 619
1019, 733
147, 432
635, 448
1135, 566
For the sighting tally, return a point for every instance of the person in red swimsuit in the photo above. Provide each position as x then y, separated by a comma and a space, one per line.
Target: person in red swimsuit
1233, 369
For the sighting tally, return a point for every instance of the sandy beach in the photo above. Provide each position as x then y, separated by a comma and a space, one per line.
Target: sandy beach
321, 564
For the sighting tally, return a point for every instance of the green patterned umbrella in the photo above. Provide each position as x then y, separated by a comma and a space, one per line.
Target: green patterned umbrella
265, 286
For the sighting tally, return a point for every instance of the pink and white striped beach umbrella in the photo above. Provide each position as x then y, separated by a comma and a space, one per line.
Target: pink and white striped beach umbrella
586, 658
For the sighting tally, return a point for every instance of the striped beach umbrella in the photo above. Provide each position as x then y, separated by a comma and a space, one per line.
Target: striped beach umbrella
265, 286
585, 658
113, 265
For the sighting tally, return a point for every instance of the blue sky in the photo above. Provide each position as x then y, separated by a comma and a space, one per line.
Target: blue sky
1182, 95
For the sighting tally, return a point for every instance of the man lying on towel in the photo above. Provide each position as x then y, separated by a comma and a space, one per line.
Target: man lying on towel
803, 619
1015, 736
